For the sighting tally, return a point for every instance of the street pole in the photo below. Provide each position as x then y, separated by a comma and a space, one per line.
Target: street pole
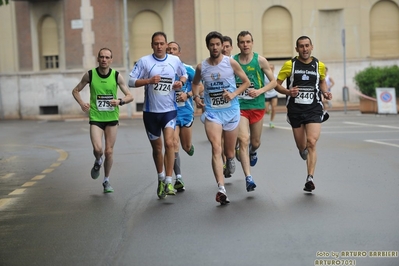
126, 26
345, 92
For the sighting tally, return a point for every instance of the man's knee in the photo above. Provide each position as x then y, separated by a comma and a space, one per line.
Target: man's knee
108, 152
243, 139
311, 144
169, 143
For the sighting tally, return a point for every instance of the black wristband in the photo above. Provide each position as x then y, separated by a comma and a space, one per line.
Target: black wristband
182, 83
121, 102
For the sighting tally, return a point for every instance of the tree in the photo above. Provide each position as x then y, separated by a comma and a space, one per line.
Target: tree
2, 2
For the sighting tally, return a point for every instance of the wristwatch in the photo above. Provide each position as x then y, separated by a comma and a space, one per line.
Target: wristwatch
121, 102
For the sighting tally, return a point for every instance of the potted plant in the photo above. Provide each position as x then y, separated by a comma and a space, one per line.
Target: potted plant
374, 77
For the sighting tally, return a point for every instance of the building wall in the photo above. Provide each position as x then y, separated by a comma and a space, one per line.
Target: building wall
184, 33
8, 41
25, 88
321, 20
73, 37
24, 36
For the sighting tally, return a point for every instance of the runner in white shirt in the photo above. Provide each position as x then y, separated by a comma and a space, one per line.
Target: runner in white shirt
158, 73
222, 110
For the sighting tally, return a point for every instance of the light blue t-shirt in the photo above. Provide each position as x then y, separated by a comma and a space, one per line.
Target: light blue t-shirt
216, 79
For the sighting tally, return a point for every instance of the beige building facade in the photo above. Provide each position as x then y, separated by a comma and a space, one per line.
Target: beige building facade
46, 46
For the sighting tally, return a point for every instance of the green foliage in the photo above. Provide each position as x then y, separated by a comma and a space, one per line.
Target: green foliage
377, 77
3, 2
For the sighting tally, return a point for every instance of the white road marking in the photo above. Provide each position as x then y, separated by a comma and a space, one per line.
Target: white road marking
7, 175
18, 191
370, 125
383, 143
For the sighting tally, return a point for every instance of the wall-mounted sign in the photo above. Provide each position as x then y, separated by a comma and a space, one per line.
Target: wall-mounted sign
77, 24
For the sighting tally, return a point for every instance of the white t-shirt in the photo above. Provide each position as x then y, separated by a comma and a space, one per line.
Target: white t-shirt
160, 97
271, 93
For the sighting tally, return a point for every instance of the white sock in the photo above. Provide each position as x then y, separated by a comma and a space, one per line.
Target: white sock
178, 176
168, 180
106, 179
221, 188
161, 176
99, 161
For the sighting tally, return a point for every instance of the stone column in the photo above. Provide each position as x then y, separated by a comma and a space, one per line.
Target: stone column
86, 14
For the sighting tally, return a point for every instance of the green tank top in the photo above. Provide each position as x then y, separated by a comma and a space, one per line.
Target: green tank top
102, 90
257, 79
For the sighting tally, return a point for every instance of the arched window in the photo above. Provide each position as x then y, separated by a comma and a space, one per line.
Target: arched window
49, 49
277, 33
144, 25
384, 30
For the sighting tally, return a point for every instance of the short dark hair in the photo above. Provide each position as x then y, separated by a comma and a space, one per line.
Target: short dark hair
228, 39
302, 38
213, 35
158, 33
102, 50
244, 33
178, 45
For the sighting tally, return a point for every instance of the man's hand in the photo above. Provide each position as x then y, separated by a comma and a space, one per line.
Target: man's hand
85, 107
155, 79
228, 95
294, 91
177, 85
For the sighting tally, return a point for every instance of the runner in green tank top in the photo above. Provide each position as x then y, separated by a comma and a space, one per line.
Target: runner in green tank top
252, 104
257, 77
103, 111
103, 89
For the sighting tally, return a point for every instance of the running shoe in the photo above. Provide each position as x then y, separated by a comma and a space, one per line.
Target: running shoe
179, 185
161, 189
238, 153
271, 125
107, 187
191, 151
95, 171
230, 166
253, 157
221, 197
309, 185
250, 184
226, 172
304, 154
169, 190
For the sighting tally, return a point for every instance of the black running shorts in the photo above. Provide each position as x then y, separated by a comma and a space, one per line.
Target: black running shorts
296, 120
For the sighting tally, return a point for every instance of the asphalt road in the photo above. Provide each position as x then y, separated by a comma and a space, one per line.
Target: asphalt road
53, 213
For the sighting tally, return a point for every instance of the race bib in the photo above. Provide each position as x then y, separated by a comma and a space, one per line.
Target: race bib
182, 103
164, 86
244, 94
305, 95
103, 103
218, 101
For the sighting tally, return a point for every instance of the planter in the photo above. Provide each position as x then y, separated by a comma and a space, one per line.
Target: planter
368, 106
